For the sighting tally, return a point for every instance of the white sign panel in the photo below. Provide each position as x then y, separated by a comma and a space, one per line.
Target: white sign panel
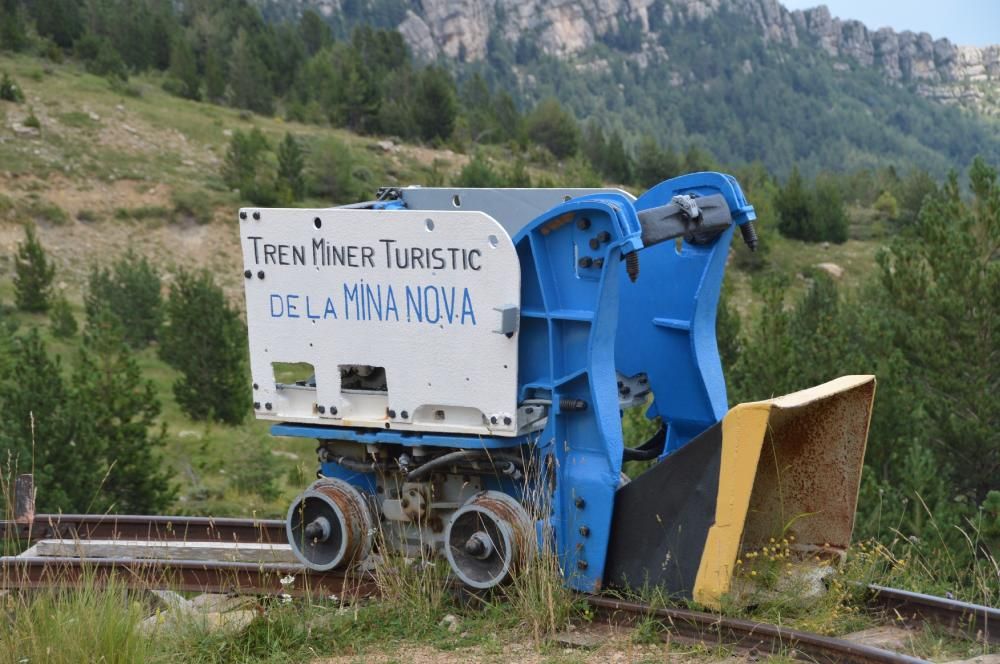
401, 314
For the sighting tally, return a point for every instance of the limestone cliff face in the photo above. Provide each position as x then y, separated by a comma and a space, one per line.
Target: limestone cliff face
461, 29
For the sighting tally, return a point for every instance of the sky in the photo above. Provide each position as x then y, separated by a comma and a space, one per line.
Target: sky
964, 22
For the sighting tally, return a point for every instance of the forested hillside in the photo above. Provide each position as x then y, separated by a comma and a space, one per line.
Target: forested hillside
746, 80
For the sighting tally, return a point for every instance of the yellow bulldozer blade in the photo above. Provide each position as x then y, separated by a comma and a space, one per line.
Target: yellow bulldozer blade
787, 466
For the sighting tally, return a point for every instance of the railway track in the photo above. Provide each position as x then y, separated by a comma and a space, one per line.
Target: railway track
979, 623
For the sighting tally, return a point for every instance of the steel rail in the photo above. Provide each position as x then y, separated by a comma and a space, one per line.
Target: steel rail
981, 623
185, 575
746, 635
144, 527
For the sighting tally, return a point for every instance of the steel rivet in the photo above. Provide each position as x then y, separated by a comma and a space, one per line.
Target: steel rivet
585, 531
260, 274
256, 215
333, 410
248, 273
321, 409
256, 386
404, 415
267, 406
582, 564
507, 421
580, 502
243, 214
493, 420
604, 236
391, 413
256, 405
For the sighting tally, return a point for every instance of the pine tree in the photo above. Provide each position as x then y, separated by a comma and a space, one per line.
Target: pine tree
249, 80
13, 29
38, 429
551, 126
119, 418
435, 107
205, 339
215, 76
129, 295
184, 68
61, 319
33, 274
617, 163
314, 31
793, 207
290, 164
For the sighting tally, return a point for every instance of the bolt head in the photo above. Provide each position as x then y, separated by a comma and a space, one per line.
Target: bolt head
260, 274
248, 274
584, 531
493, 420
243, 214
256, 215
404, 415
267, 406
580, 502
507, 421
583, 224
582, 564
256, 405
320, 409
333, 410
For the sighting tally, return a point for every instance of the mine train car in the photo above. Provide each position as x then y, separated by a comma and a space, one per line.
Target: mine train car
464, 358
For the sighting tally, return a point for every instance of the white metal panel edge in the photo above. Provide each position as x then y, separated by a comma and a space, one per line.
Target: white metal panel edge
419, 293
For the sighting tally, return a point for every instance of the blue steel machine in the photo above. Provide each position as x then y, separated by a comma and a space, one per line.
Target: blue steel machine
466, 356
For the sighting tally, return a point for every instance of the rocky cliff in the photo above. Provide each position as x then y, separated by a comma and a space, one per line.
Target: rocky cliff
565, 28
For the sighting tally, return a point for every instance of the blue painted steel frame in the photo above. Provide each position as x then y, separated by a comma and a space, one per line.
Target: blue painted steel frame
668, 315
571, 311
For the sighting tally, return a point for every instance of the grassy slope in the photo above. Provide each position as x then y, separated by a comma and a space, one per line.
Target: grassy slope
123, 163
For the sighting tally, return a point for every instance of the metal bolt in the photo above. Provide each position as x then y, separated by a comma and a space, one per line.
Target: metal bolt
583, 224
267, 406
580, 502
585, 531
248, 273
604, 236
256, 405
582, 564
256, 386
632, 266
493, 420
256, 215
333, 410
586, 261
391, 413
598, 262
626, 390
404, 415
243, 214
320, 409
529, 410
507, 421
594, 244
260, 274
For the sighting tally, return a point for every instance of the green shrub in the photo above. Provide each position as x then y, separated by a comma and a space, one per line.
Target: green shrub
10, 90
45, 212
192, 204
32, 120
478, 173
61, 319
33, 274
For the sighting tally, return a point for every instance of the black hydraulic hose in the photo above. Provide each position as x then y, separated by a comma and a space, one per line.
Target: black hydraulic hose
461, 457
651, 449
